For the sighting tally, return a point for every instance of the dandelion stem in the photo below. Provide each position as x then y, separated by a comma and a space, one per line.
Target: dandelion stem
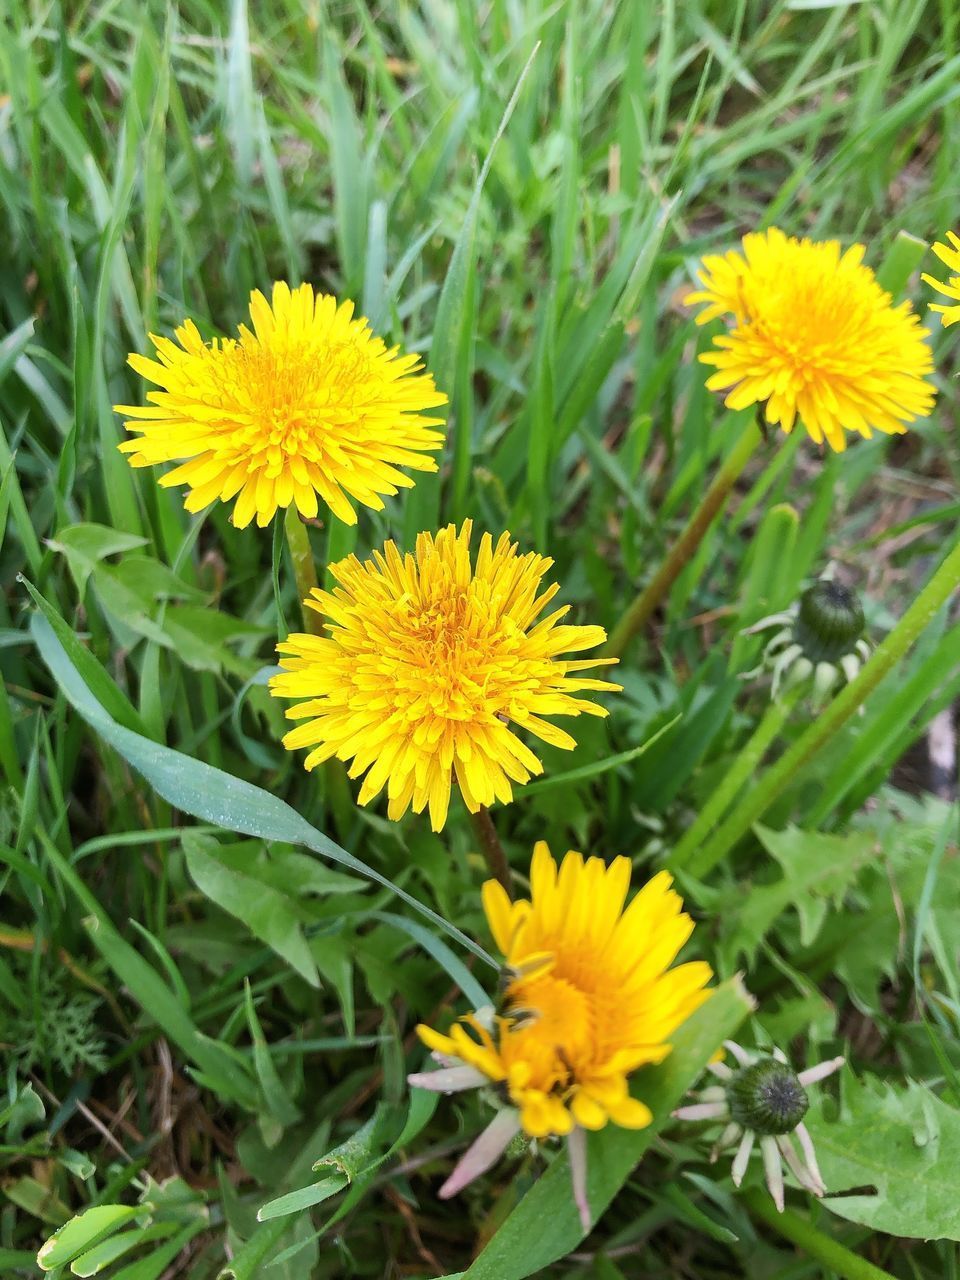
779, 776
492, 849
712, 502
742, 769
304, 569
801, 1232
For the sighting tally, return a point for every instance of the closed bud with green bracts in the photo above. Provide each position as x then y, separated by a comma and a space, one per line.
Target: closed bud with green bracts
829, 622
818, 641
767, 1097
762, 1101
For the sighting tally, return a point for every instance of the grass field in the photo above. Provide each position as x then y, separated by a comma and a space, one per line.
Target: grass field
212, 962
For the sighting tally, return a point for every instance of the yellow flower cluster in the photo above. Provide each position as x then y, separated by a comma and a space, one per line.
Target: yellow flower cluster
434, 665
306, 405
428, 662
590, 998
813, 337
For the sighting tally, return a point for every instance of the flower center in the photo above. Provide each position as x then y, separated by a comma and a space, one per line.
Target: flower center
553, 1033
813, 312
452, 653
291, 396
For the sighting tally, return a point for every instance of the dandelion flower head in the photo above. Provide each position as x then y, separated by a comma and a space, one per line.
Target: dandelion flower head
308, 406
428, 664
814, 337
949, 254
591, 995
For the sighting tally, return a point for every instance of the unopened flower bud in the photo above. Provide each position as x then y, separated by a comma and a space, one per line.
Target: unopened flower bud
762, 1102
819, 641
829, 622
767, 1097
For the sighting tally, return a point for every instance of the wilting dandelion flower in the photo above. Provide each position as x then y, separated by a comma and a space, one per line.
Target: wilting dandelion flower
950, 255
813, 337
818, 639
308, 404
764, 1098
428, 663
588, 997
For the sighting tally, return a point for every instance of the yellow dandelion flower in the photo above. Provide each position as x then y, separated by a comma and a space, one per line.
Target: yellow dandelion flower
950, 255
427, 663
308, 404
590, 997
814, 337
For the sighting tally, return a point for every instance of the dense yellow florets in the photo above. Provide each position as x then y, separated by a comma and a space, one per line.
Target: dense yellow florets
428, 663
813, 337
309, 405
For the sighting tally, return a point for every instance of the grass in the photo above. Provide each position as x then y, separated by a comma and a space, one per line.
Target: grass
520, 191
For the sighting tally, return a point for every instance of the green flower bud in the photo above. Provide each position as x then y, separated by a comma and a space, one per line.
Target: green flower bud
829, 622
766, 1098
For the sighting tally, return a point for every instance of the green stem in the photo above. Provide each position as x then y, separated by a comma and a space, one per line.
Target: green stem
743, 767
304, 567
305, 575
779, 776
801, 1232
642, 609
491, 847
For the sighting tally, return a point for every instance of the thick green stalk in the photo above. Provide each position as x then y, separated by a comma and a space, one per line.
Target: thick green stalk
752, 753
712, 502
304, 567
778, 777
814, 1243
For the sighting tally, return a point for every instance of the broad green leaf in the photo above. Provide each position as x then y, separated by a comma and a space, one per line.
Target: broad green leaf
84, 545
421, 1107
902, 259
202, 639
37, 1200
152, 581
89, 672
903, 1143
545, 1226
208, 793
83, 1232
817, 870
78, 1164
124, 599
134, 590
230, 876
